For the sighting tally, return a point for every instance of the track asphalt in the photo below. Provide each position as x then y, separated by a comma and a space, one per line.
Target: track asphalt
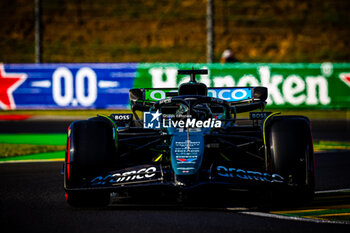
32, 197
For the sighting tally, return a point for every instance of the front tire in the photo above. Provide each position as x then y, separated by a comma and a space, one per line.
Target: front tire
91, 150
291, 156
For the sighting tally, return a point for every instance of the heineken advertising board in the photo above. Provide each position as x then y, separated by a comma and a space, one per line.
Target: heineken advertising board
299, 85
106, 85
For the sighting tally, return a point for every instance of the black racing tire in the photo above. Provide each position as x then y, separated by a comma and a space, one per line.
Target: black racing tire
92, 152
291, 156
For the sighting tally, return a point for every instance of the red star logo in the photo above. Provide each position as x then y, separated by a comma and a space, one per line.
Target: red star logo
345, 77
8, 84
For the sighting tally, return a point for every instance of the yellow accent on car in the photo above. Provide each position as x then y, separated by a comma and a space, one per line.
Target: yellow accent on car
158, 158
222, 155
272, 114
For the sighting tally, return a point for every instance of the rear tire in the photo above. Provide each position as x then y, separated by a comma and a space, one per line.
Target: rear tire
291, 156
92, 152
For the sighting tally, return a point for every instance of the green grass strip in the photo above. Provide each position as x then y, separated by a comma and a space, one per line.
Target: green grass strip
42, 156
331, 145
34, 139
12, 150
316, 213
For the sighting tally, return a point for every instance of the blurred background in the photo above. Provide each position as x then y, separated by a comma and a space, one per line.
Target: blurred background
175, 30
299, 50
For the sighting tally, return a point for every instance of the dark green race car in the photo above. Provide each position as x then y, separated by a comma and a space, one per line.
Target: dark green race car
186, 139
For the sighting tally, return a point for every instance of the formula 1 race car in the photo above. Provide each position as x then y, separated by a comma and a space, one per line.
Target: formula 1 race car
187, 139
